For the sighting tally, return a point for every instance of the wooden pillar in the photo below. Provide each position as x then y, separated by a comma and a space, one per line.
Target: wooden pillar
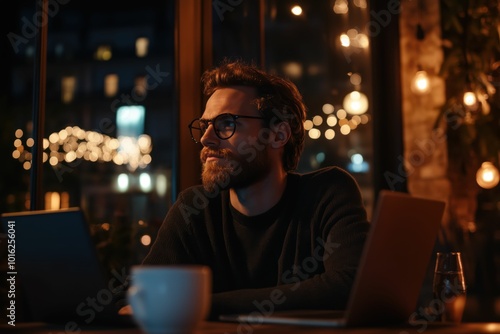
193, 50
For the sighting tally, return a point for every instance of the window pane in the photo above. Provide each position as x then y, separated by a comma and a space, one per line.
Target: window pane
323, 50
109, 153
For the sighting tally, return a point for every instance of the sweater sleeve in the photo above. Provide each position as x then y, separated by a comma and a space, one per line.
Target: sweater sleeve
339, 220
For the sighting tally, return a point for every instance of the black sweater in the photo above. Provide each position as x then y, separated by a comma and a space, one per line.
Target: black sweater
301, 254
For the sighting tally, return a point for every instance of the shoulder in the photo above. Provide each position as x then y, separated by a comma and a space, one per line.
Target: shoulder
194, 208
327, 183
327, 176
199, 194
197, 200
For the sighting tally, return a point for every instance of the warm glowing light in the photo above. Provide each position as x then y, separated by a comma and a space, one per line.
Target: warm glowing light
356, 119
341, 114
317, 120
103, 52
52, 201
355, 79
493, 327
68, 87
331, 121
360, 3
293, 69
470, 99
420, 83
355, 103
345, 41
487, 175
145, 182
328, 108
296, 10
111, 83
345, 129
141, 46
340, 7
74, 143
330, 134
314, 133
146, 240
308, 125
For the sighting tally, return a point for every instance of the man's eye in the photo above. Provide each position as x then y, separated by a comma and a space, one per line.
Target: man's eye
225, 123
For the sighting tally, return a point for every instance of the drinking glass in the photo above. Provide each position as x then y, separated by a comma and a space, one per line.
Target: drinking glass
449, 287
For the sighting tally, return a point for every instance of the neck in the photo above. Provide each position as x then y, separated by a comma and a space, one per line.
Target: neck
260, 196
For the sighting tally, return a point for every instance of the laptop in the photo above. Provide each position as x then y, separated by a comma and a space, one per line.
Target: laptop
57, 269
392, 269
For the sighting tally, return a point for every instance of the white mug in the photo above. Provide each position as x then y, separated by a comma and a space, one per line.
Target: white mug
170, 298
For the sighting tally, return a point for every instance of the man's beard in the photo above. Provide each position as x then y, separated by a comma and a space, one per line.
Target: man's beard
233, 171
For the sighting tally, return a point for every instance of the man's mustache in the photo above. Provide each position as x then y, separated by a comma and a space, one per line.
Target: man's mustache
207, 152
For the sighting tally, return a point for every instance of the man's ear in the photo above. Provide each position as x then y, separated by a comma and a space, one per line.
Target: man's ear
282, 133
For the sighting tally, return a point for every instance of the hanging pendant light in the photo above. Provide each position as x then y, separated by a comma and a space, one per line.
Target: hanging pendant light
487, 175
420, 84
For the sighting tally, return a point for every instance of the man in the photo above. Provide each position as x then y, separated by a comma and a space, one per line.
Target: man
274, 239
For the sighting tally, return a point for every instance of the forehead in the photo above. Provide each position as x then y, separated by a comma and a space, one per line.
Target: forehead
237, 100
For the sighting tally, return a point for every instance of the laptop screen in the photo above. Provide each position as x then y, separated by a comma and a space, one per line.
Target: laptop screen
56, 263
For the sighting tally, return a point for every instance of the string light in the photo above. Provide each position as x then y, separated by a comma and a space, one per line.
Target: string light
73, 143
296, 10
420, 83
355, 103
487, 175
470, 99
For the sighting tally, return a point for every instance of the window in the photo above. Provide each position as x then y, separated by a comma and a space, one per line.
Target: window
111, 85
68, 87
141, 47
103, 53
140, 86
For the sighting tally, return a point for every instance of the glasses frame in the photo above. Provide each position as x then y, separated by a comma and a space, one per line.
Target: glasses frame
212, 121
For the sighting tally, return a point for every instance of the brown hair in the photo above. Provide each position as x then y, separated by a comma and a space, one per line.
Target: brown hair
276, 97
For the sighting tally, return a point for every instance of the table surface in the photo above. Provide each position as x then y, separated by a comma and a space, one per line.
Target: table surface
210, 327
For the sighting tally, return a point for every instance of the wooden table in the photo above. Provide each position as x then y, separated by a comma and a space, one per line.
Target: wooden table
235, 328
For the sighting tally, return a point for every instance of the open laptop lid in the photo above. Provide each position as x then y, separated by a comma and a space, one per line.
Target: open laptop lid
58, 268
391, 272
395, 259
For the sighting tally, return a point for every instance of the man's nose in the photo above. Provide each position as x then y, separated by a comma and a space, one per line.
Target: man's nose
209, 138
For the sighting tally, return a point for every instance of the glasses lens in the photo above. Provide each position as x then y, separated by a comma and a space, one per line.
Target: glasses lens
224, 126
197, 129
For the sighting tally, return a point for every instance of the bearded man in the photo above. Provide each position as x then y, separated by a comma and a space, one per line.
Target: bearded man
274, 238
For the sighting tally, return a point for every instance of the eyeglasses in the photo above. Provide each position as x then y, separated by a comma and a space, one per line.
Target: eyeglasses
224, 126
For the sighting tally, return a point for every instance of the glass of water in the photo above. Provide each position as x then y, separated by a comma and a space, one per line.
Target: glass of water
449, 287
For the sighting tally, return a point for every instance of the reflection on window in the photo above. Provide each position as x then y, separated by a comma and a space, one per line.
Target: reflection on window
111, 85
141, 47
140, 86
103, 53
52, 200
68, 87
56, 201
64, 200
